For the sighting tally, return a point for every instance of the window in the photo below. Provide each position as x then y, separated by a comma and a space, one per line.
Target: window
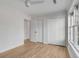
73, 27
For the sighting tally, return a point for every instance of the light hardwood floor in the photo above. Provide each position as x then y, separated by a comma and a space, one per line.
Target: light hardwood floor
36, 50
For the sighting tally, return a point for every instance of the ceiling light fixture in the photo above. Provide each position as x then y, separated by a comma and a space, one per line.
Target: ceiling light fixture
27, 3
33, 2
54, 1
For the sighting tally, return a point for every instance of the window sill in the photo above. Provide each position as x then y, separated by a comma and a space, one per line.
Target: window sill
75, 46
73, 51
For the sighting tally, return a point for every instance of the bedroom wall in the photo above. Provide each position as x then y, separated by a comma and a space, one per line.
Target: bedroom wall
11, 27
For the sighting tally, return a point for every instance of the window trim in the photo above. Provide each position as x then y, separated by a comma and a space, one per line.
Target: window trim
72, 24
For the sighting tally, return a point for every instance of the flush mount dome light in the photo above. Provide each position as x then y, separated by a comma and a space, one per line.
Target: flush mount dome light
54, 1
32, 2
27, 3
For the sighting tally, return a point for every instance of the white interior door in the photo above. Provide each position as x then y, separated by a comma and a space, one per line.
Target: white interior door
56, 31
36, 30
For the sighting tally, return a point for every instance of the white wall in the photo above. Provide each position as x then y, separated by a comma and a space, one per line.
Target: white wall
11, 28
59, 18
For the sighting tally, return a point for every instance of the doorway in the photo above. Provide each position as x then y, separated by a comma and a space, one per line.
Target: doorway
26, 29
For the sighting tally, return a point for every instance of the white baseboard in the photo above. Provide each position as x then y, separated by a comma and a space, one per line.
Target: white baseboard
33, 41
45, 42
12, 47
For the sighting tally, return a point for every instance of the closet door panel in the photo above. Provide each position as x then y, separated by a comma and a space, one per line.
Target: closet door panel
36, 30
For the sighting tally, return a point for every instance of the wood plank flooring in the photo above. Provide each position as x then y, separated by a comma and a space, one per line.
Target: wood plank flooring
36, 50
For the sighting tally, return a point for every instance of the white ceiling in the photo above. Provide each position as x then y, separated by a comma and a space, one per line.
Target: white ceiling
49, 7
39, 9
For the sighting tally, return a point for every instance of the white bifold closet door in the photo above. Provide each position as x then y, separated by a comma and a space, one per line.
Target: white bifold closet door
36, 30
56, 31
